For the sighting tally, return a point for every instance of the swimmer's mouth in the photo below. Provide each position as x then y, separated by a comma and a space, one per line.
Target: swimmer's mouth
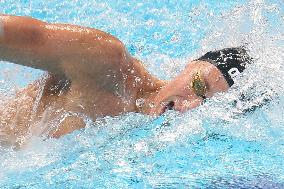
169, 106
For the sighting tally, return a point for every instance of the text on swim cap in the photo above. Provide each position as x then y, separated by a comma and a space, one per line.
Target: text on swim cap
234, 72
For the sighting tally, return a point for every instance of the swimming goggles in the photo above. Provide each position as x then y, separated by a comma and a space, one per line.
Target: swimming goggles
198, 85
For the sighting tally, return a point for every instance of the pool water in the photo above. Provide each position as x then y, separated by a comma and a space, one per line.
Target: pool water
216, 145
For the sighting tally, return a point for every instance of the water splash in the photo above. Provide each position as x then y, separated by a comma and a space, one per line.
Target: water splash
215, 145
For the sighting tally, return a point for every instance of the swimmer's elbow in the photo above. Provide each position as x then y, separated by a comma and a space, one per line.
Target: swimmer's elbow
107, 50
118, 51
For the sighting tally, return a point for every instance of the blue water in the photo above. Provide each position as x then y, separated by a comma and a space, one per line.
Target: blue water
213, 146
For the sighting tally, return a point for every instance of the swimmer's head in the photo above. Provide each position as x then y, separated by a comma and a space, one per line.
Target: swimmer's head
212, 73
231, 62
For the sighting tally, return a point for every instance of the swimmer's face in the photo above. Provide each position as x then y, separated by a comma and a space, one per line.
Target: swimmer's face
198, 81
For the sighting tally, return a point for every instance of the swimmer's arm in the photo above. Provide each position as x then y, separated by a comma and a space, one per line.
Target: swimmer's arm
60, 48
22, 40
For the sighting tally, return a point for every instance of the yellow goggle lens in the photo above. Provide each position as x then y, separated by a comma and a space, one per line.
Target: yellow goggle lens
198, 85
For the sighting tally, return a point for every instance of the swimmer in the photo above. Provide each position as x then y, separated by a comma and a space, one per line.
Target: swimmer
90, 73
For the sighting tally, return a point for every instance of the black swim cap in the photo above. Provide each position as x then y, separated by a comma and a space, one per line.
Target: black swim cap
230, 61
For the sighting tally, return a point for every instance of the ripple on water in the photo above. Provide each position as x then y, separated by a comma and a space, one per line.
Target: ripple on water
214, 146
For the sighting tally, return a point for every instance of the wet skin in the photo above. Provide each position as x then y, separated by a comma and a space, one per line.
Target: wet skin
90, 73
179, 92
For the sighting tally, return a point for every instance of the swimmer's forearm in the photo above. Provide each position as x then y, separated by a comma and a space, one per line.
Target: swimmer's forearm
60, 48
21, 39
20, 31
25, 32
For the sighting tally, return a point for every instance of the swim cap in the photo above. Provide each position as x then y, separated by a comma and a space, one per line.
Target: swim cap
230, 61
